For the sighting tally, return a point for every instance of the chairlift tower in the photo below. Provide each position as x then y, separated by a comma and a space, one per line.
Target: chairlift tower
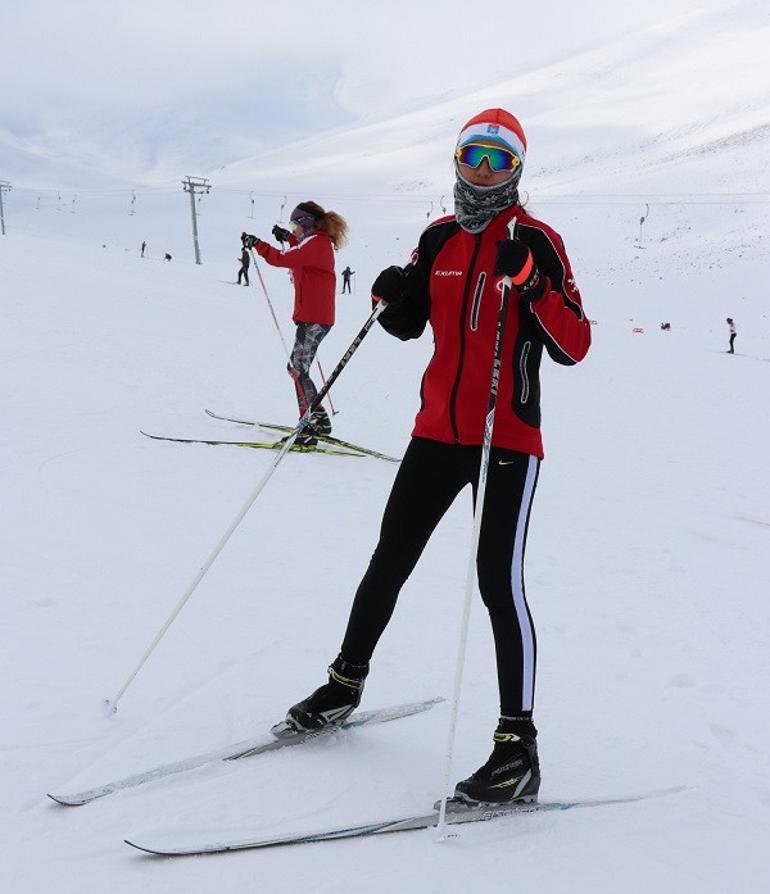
5, 186
642, 219
196, 186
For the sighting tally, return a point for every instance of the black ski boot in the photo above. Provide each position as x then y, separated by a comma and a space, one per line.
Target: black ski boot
306, 438
320, 421
330, 704
512, 773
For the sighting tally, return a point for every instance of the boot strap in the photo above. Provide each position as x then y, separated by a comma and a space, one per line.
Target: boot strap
344, 681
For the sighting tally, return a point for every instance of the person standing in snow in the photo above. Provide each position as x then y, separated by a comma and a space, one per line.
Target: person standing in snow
346, 274
144, 245
244, 271
453, 281
733, 333
315, 235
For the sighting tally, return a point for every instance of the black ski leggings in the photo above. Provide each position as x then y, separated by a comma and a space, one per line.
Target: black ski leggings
430, 477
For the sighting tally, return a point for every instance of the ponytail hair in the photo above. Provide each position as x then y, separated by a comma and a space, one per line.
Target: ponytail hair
334, 225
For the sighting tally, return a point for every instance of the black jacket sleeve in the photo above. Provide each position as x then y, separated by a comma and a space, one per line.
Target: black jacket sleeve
557, 312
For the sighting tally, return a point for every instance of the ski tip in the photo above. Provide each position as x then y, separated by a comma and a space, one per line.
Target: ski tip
169, 852
139, 847
62, 800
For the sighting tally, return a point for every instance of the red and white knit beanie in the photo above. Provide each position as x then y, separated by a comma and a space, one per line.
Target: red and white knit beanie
495, 126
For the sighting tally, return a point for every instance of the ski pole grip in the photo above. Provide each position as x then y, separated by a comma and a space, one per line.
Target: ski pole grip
511, 227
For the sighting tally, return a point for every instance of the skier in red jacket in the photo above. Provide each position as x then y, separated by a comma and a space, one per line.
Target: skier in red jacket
315, 235
453, 282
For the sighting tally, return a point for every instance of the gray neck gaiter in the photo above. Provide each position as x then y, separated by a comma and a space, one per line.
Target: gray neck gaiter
475, 206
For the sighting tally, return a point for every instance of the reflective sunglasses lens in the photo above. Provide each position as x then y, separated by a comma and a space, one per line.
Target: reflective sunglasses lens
499, 159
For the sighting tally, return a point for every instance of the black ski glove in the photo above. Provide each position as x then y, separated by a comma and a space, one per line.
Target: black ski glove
248, 240
389, 286
514, 259
280, 233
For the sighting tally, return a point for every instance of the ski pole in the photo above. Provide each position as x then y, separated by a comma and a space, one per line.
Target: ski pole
323, 379
270, 305
475, 537
111, 704
278, 327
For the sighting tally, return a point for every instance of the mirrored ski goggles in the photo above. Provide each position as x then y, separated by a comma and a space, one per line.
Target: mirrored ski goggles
302, 223
499, 159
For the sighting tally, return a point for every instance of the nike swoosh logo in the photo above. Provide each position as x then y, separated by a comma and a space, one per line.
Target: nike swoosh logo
506, 462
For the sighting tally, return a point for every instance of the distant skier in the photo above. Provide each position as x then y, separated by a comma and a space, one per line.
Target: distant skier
244, 271
315, 235
346, 274
167, 257
453, 282
733, 333
144, 245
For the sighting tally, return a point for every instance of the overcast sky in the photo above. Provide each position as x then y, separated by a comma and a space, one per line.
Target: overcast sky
141, 89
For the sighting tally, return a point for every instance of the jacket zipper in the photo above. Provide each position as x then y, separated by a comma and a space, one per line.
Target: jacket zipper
477, 301
523, 370
461, 358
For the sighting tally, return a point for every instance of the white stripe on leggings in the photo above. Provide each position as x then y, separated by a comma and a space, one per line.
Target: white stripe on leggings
517, 586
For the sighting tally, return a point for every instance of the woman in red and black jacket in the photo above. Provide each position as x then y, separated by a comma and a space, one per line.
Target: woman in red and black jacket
453, 282
315, 235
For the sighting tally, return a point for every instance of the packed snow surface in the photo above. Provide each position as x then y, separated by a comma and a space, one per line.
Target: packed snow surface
647, 571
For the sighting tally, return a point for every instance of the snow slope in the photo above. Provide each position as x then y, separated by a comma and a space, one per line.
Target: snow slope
647, 578
647, 570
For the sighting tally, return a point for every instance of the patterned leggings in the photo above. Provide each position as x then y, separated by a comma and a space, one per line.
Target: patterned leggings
309, 337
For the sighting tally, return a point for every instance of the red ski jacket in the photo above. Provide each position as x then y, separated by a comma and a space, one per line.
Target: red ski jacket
450, 283
312, 267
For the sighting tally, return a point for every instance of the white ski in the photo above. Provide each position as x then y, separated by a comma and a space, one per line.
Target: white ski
247, 748
456, 814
